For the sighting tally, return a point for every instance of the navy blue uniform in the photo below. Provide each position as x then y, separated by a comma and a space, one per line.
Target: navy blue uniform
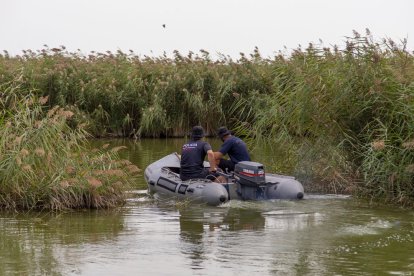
192, 158
237, 151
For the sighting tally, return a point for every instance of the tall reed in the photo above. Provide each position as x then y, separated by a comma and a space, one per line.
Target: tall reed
126, 95
344, 115
351, 113
43, 161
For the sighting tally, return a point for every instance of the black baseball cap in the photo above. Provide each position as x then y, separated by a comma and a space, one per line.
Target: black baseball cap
197, 132
223, 131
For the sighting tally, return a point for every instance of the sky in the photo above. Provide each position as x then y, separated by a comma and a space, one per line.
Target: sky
218, 26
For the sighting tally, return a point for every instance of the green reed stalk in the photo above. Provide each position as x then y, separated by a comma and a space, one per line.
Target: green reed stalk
344, 115
43, 161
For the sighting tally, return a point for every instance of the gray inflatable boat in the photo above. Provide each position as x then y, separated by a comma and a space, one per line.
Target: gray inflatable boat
248, 182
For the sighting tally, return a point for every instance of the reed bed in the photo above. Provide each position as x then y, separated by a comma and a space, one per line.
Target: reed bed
344, 115
43, 161
347, 113
124, 94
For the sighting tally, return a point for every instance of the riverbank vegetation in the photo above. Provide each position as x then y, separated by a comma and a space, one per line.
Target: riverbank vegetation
351, 112
345, 115
44, 164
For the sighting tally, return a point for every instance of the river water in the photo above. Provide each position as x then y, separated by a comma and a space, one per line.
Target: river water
320, 235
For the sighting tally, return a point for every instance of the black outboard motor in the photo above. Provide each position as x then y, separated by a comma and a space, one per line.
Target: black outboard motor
250, 179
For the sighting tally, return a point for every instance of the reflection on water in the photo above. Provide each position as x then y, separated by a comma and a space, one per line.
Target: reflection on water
32, 242
321, 235
240, 236
317, 236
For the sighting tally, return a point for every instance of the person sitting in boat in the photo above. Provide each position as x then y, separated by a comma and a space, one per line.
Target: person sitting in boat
234, 147
192, 158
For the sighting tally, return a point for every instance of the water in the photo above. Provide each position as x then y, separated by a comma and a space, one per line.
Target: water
321, 235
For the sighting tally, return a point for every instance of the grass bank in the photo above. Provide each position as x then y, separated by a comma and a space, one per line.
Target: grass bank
348, 115
43, 161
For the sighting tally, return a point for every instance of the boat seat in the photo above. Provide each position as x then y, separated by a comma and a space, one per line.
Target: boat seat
199, 180
172, 171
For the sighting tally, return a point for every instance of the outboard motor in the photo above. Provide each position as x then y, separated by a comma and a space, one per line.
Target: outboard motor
250, 179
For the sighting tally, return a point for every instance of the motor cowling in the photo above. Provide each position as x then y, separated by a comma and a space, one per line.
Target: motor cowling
250, 178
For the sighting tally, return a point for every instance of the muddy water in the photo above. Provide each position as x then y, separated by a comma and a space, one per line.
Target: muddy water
321, 235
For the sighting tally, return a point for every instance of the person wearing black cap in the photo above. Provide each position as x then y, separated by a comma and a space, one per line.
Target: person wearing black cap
192, 157
234, 147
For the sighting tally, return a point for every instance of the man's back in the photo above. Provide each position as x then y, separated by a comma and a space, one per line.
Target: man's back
192, 158
236, 149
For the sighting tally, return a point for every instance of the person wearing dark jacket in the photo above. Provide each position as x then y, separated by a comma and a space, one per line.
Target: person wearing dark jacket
234, 147
193, 154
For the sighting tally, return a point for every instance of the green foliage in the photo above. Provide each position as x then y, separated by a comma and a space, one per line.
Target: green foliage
345, 116
348, 113
43, 161
157, 96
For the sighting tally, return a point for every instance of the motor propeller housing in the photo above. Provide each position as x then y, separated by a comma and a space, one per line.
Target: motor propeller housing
251, 180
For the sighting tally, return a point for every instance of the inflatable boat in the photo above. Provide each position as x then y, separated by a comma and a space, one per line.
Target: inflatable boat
248, 182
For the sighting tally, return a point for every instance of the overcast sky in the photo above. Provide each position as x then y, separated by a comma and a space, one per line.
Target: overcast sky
225, 26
